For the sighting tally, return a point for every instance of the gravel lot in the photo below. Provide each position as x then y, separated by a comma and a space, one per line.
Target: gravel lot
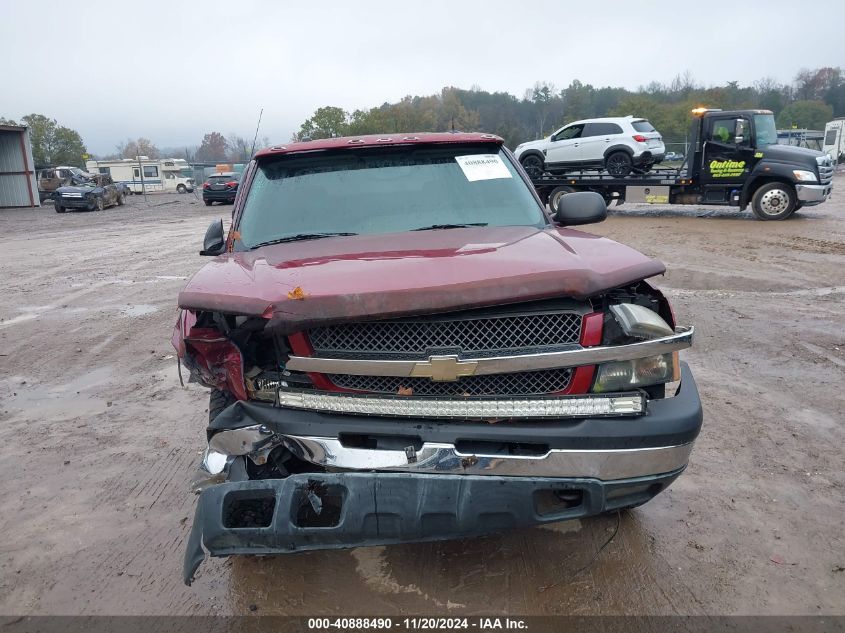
98, 440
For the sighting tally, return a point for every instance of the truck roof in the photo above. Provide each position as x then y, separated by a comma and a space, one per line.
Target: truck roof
373, 140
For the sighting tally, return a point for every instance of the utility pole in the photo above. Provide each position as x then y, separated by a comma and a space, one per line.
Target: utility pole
141, 172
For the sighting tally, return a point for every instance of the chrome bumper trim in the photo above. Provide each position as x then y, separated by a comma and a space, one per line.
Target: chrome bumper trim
813, 193
681, 339
605, 465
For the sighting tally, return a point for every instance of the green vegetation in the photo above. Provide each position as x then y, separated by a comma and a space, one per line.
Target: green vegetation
52, 144
815, 97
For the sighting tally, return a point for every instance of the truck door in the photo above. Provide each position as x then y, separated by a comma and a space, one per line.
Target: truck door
565, 147
728, 150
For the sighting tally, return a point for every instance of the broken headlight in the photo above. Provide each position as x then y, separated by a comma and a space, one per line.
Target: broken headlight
630, 374
638, 323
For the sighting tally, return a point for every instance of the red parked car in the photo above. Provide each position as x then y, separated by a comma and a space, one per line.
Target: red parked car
403, 344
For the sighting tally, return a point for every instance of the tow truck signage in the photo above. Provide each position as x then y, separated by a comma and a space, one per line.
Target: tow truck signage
726, 168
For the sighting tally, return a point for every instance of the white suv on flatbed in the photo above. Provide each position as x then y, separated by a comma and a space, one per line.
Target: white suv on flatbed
618, 145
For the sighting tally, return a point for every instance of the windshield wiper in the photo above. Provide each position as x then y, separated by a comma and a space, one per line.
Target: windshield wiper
300, 237
449, 226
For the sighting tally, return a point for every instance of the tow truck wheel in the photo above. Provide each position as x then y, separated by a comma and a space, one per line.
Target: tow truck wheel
773, 201
533, 165
556, 194
618, 164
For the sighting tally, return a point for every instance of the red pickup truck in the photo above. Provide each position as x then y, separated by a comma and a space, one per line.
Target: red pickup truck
403, 344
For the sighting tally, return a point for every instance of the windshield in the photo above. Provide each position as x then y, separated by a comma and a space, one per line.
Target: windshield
375, 191
765, 132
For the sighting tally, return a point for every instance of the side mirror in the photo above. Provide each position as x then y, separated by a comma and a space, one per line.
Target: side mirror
741, 131
215, 241
581, 207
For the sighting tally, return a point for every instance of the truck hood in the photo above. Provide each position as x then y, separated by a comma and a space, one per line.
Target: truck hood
792, 154
73, 189
301, 284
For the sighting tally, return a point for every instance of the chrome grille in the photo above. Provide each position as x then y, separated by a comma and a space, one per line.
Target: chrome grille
825, 169
520, 384
467, 336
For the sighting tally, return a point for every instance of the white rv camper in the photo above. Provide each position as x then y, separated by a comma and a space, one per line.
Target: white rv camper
834, 140
160, 174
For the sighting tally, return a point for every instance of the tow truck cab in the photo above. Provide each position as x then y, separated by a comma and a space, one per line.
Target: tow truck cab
733, 159
735, 155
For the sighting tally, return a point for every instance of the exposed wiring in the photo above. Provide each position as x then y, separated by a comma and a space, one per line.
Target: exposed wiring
594, 557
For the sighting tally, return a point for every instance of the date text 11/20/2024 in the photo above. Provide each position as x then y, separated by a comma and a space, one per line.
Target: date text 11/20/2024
417, 624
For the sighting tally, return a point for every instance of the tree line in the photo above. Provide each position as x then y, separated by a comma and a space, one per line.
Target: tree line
813, 98
809, 101
214, 147
52, 144
55, 144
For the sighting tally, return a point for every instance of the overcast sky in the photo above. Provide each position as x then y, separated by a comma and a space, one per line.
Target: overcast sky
172, 70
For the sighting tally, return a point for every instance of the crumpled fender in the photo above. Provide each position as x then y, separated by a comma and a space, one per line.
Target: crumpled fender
213, 359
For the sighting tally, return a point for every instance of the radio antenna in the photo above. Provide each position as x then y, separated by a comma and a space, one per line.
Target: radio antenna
254, 138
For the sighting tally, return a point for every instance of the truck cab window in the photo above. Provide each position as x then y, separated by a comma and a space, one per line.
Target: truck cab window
723, 130
765, 131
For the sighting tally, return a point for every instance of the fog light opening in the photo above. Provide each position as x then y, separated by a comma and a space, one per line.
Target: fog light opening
248, 509
550, 502
317, 505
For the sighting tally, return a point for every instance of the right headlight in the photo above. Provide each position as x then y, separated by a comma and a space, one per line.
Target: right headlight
804, 175
631, 374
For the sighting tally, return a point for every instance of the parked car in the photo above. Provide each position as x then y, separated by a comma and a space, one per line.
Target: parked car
401, 344
94, 194
222, 187
617, 145
51, 178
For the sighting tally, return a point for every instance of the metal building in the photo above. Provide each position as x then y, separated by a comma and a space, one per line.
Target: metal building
18, 187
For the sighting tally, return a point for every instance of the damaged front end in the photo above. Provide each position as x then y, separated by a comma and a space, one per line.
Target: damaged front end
435, 426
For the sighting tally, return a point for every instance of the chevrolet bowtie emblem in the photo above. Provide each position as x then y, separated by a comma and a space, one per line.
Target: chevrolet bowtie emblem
444, 368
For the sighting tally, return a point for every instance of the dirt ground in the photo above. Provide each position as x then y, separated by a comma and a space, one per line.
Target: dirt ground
98, 440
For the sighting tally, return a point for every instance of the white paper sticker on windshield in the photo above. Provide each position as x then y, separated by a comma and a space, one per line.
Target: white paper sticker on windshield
483, 167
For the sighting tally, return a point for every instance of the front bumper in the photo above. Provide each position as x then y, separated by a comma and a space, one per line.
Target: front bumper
813, 194
76, 203
364, 509
454, 479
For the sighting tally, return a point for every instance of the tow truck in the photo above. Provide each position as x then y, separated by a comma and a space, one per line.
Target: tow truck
733, 160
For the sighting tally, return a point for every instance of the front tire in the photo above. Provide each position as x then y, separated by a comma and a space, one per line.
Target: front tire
59, 208
181, 189
533, 165
618, 164
774, 201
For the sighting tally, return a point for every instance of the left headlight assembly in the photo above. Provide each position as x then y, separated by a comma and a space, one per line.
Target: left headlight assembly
639, 323
803, 175
631, 374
